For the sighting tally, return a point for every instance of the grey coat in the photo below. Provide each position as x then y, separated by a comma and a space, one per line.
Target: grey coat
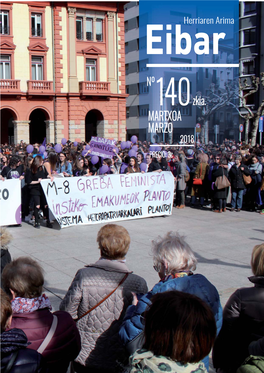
181, 184
101, 347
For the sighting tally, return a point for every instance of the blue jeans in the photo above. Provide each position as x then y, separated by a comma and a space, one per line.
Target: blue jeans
237, 198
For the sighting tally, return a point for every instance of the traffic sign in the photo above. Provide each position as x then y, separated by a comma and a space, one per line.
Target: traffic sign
198, 125
241, 128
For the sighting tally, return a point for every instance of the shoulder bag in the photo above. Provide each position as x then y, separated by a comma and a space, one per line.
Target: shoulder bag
49, 336
198, 181
101, 301
187, 176
247, 179
222, 181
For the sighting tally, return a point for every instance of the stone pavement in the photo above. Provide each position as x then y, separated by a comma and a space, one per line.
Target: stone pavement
222, 243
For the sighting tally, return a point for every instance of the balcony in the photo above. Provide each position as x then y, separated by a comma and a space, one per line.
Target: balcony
9, 86
94, 88
40, 87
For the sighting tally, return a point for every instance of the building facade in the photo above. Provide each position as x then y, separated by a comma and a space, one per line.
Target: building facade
251, 51
62, 71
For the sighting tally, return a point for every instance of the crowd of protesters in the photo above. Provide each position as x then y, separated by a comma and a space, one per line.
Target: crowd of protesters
110, 323
212, 176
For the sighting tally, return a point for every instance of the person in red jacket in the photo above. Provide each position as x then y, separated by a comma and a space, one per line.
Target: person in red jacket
24, 279
15, 355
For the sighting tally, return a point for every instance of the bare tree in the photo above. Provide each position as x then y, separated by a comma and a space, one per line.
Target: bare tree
250, 89
216, 99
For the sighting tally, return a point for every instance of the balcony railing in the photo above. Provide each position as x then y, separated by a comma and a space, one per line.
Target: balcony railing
90, 88
9, 85
40, 87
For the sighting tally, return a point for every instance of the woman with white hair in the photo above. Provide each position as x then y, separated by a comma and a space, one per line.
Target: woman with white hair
175, 262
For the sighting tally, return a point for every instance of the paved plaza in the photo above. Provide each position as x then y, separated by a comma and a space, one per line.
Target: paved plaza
221, 242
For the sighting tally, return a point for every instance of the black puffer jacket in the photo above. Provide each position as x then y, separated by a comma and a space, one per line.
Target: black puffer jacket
236, 176
14, 343
243, 323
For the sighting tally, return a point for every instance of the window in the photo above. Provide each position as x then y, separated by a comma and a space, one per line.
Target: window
143, 65
186, 110
249, 8
143, 110
127, 112
4, 22
248, 67
206, 73
90, 70
181, 61
127, 89
249, 36
126, 47
36, 29
89, 29
126, 26
99, 29
37, 67
127, 68
79, 28
143, 87
5, 67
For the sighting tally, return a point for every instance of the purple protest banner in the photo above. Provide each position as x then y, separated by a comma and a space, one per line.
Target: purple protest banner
102, 147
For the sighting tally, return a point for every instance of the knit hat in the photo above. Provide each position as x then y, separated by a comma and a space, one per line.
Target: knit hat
190, 152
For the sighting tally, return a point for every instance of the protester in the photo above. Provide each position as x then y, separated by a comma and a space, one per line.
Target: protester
174, 261
5, 239
243, 319
180, 174
133, 166
33, 179
255, 168
23, 279
179, 332
199, 190
64, 166
238, 186
220, 194
110, 280
15, 356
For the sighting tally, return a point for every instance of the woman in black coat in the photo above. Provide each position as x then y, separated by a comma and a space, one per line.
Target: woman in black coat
237, 182
243, 319
34, 175
220, 195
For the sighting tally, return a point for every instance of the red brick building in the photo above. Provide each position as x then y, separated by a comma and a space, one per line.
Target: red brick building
62, 71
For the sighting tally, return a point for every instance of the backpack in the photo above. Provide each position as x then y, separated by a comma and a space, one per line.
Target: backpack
252, 364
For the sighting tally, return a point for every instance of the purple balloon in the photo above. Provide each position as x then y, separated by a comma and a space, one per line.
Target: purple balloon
143, 167
57, 148
134, 139
132, 153
153, 147
123, 167
75, 143
30, 148
104, 169
123, 145
134, 147
128, 144
63, 141
94, 159
87, 147
84, 153
45, 155
42, 149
